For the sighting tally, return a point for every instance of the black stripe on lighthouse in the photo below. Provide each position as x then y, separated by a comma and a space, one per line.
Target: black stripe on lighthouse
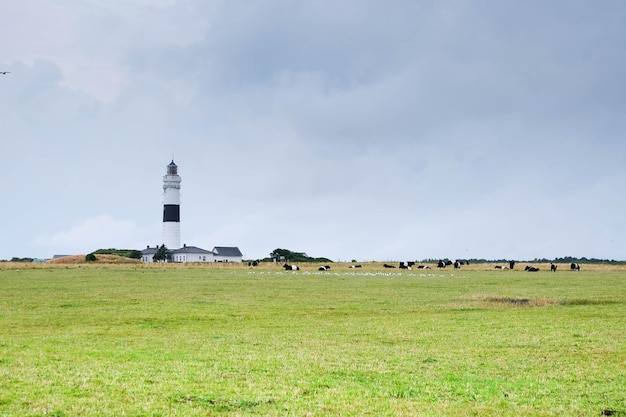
171, 213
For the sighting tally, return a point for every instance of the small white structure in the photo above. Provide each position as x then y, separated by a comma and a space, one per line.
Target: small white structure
227, 254
191, 254
148, 253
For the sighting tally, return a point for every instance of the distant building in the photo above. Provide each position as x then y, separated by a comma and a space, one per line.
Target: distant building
191, 254
171, 206
227, 254
148, 253
196, 254
171, 229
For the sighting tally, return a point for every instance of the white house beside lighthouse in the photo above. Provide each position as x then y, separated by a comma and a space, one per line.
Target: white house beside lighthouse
171, 207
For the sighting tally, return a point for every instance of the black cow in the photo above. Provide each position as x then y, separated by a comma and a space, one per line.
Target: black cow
324, 268
511, 264
552, 267
355, 266
253, 263
531, 268
388, 266
574, 267
406, 265
423, 267
291, 267
501, 267
457, 265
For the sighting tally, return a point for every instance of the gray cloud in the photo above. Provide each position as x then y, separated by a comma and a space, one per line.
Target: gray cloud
346, 129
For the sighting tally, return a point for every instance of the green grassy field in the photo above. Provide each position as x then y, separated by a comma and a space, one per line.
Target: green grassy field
204, 341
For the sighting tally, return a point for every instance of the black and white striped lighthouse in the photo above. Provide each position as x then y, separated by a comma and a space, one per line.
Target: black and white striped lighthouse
171, 207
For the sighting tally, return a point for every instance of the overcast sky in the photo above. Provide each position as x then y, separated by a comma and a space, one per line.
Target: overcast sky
349, 129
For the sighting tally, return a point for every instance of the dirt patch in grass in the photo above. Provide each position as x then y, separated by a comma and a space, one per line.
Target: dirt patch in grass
588, 302
221, 405
521, 302
609, 412
508, 301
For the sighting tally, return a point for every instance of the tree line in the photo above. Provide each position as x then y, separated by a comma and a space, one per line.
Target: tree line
286, 255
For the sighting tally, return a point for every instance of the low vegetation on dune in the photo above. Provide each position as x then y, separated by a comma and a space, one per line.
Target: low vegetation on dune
97, 258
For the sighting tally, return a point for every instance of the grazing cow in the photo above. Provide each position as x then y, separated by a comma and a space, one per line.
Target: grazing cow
552, 267
291, 267
443, 264
511, 264
531, 268
388, 266
355, 266
574, 267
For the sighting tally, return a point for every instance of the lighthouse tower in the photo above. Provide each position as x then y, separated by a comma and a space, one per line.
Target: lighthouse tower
171, 207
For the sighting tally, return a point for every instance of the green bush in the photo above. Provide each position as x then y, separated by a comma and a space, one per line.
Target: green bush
14, 259
280, 255
162, 254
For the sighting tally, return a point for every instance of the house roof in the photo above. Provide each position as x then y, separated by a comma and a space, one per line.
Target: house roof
217, 250
190, 249
227, 251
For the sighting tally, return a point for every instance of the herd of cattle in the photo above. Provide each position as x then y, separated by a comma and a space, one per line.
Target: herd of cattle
440, 264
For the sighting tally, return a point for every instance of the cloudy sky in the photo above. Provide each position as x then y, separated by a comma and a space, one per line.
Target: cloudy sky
350, 129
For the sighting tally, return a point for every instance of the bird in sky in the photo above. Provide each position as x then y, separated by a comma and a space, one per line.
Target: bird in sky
5, 72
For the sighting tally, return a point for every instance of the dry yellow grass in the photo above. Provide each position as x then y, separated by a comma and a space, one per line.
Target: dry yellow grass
100, 259
546, 266
114, 260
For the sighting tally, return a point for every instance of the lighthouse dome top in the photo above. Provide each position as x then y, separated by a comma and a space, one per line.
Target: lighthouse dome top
172, 168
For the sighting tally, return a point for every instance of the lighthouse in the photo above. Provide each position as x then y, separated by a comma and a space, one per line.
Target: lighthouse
171, 207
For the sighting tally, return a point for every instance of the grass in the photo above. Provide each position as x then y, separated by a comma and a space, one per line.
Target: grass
224, 340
